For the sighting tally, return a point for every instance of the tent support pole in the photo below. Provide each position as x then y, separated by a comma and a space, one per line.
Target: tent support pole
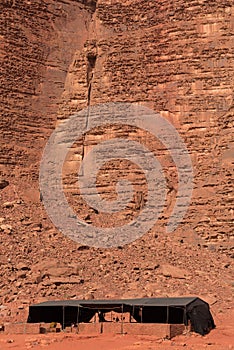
167, 314
185, 317
77, 320
122, 321
63, 316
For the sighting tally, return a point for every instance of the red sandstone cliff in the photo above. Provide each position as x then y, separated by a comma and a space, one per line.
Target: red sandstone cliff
58, 57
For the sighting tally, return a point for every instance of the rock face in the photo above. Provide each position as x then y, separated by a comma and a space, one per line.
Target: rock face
58, 58
38, 42
177, 60
175, 57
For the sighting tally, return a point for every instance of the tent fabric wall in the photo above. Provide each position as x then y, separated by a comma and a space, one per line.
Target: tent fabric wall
146, 310
200, 316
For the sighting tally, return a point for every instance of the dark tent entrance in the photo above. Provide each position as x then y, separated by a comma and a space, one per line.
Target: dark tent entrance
63, 314
159, 314
186, 310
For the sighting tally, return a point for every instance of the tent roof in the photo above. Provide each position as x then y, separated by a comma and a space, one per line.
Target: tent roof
180, 301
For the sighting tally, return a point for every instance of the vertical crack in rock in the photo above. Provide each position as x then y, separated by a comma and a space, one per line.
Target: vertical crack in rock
91, 57
91, 61
92, 4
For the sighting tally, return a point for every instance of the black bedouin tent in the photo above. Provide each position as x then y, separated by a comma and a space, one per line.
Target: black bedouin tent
146, 310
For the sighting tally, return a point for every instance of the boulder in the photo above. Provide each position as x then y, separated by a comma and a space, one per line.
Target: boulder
8, 205
6, 228
3, 183
22, 266
63, 280
174, 272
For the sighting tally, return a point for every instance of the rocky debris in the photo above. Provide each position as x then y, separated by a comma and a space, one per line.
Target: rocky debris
3, 183
6, 228
210, 299
8, 205
22, 266
58, 271
174, 272
11, 204
52, 268
64, 280
89, 296
83, 247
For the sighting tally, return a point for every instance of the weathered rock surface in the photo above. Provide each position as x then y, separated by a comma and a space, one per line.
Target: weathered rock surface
174, 272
